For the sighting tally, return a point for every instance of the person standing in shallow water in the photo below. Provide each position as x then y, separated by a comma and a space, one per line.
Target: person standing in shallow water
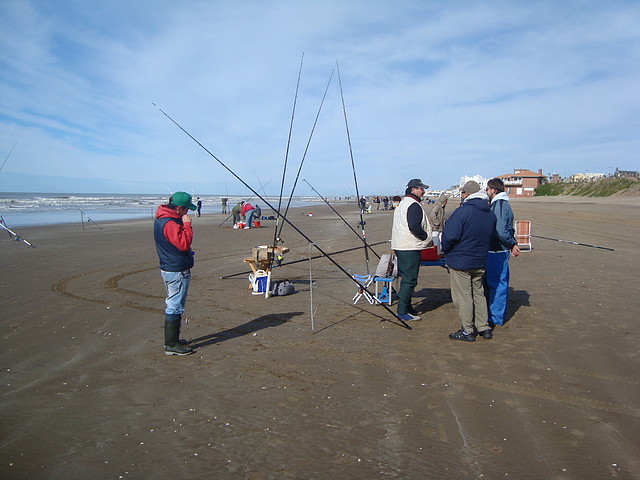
173, 236
410, 234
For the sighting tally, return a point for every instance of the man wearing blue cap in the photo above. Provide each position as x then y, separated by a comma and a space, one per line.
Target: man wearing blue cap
173, 236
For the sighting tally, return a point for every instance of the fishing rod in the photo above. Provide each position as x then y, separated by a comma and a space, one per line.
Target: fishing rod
574, 243
286, 264
8, 155
286, 211
82, 214
261, 189
18, 237
359, 285
342, 218
353, 165
276, 239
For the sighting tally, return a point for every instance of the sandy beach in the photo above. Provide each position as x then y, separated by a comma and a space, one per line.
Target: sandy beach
87, 391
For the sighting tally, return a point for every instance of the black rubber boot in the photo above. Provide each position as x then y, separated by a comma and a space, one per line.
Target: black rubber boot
172, 344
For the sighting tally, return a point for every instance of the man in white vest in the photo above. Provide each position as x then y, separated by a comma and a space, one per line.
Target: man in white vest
410, 234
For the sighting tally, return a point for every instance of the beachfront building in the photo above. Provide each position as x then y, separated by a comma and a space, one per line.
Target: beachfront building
476, 178
626, 174
522, 182
586, 177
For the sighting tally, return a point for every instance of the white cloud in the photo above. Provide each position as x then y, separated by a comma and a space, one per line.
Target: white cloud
436, 90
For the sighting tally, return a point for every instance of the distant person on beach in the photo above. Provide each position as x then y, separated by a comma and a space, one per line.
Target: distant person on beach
503, 243
363, 204
385, 200
247, 212
235, 211
466, 238
410, 234
436, 218
173, 236
199, 206
224, 201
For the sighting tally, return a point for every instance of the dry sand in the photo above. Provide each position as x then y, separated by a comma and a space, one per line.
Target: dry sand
87, 392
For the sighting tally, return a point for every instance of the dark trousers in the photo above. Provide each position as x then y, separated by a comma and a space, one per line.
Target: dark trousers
408, 268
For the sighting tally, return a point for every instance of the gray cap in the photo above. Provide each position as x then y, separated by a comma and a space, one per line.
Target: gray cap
471, 187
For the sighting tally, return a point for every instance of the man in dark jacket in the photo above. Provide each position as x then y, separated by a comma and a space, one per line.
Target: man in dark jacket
466, 239
173, 235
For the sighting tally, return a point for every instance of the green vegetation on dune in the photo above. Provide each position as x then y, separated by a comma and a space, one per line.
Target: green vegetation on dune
599, 188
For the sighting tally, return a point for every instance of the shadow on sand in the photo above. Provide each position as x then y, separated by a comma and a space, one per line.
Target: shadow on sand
515, 300
265, 321
434, 298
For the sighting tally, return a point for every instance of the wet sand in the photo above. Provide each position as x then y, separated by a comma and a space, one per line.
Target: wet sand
87, 391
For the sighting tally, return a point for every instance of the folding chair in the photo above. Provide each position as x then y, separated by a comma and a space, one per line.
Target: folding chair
364, 281
386, 274
523, 234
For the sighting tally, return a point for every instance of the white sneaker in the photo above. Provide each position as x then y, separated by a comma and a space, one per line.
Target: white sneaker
247, 228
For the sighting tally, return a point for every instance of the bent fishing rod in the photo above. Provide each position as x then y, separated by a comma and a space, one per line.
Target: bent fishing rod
366, 245
304, 156
286, 264
276, 239
574, 243
353, 165
284, 218
18, 237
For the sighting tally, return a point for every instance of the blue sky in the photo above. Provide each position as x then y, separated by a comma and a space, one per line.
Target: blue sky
433, 89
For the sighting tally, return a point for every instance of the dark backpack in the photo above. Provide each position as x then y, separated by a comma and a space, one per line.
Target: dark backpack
282, 287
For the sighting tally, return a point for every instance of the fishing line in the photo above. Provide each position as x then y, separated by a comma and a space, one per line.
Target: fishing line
286, 264
286, 155
283, 217
82, 214
305, 152
353, 165
574, 243
342, 218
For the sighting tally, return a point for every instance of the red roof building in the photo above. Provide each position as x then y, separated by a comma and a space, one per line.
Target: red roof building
522, 182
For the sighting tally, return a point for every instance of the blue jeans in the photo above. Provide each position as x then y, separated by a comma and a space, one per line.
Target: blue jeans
497, 283
177, 285
249, 216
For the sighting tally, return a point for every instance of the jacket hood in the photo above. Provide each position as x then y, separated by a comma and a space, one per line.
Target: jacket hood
500, 196
163, 211
478, 203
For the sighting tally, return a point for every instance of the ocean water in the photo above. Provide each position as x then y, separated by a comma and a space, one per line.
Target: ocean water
30, 209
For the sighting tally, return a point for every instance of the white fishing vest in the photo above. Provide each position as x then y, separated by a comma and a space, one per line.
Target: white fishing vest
401, 236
